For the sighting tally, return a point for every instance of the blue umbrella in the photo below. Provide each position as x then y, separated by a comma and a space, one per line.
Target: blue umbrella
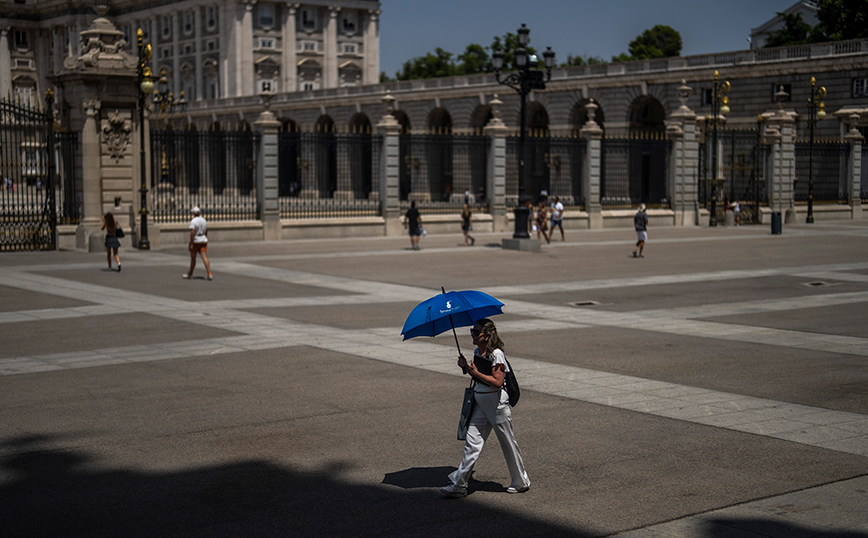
449, 310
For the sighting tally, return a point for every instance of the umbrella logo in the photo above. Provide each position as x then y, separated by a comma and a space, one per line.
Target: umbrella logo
448, 305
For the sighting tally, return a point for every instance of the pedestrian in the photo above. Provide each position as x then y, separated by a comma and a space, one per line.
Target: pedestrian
110, 225
542, 222
736, 211
198, 243
413, 221
557, 217
640, 222
491, 411
466, 225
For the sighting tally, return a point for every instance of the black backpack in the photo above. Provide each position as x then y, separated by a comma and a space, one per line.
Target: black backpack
511, 385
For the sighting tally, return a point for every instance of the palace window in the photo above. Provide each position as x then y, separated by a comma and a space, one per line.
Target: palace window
266, 15
265, 86
308, 86
308, 46
308, 19
266, 43
22, 40
860, 87
166, 25
211, 45
348, 24
188, 23
211, 17
349, 48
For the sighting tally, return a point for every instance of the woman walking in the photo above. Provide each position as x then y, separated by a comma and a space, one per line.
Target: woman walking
491, 412
465, 225
111, 240
542, 222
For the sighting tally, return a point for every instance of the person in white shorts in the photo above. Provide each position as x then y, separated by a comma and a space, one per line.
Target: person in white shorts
198, 243
640, 222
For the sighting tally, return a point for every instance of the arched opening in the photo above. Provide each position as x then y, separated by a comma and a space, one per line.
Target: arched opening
649, 152
326, 157
439, 166
361, 156
579, 116
537, 150
405, 153
647, 115
480, 117
289, 178
478, 153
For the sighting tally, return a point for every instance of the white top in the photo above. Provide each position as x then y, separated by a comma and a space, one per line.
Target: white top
201, 227
496, 357
557, 210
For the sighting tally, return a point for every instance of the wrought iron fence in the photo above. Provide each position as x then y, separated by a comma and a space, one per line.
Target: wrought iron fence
740, 173
554, 165
443, 171
635, 170
830, 160
214, 170
28, 214
328, 174
69, 187
863, 182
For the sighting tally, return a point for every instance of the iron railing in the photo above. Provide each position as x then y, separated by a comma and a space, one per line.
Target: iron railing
28, 214
740, 174
69, 186
554, 166
635, 170
830, 160
328, 174
214, 170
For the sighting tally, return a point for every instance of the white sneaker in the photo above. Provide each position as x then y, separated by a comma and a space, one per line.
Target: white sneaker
454, 491
186, 276
513, 489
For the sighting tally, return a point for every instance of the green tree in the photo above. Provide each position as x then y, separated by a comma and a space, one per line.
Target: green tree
658, 42
435, 65
841, 20
508, 44
385, 78
474, 60
582, 60
794, 32
623, 57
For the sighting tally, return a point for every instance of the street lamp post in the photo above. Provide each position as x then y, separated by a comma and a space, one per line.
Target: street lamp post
524, 81
719, 111
146, 86
817, 109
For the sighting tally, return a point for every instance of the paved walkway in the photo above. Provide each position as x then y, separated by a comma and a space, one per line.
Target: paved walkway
259, 323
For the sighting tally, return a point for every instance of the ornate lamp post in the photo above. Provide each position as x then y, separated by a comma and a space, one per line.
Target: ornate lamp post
527, 79
817, 109
164, 99
719, 111
146, 86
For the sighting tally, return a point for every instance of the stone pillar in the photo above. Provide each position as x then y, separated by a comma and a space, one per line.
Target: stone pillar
5, 64
780, 135
390, 157
684, 161
90, 166
330, 49
592, 176
372, 48
266, 184
290, 46
495, 187
854, 168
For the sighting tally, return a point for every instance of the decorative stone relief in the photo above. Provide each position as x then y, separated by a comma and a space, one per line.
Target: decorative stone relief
116, 133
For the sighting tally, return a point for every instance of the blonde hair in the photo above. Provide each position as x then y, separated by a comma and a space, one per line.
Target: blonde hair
494, 341
465, 210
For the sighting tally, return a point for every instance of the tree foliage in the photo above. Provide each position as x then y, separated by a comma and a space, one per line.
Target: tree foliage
794, 32
661, 41
841, 20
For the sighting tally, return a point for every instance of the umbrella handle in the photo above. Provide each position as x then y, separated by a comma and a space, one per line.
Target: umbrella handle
453, 331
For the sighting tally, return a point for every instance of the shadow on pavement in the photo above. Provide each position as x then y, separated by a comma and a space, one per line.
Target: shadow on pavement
55, 492
722, 527
434, 477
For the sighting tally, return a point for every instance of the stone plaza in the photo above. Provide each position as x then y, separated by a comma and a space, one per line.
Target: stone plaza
716, 387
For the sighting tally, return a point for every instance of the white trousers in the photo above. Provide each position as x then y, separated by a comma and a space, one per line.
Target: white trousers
491, 412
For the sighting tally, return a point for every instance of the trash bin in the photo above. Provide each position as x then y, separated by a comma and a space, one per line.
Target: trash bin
776, 222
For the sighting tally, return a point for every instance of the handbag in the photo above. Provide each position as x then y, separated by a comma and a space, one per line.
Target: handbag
466, 411
423, 232
512, 389
119, 232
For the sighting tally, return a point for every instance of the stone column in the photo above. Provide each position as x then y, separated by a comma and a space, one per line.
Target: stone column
266, 184
245, 84
372, 48
198, 15
91, 217
592, 176
330, 49
5, 64
854, 169
390, 157
780, 135
495, 188
290, 47
684, 161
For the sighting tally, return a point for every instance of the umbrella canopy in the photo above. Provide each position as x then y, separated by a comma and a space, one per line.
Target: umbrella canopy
449, 310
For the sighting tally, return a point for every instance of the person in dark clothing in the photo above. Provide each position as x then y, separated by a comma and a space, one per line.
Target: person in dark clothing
413, 221
640, 222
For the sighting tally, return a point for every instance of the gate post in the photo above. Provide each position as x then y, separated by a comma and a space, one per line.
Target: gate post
266, 166
780, 135
495, 179
592, 176
389, 171
854, 168
684, 160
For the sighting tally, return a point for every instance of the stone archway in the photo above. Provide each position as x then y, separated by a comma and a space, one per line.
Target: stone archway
537, 150
439, 155
360, 153
648, 152
326, 157
480, 117
440, 121
579, 115
646, 115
